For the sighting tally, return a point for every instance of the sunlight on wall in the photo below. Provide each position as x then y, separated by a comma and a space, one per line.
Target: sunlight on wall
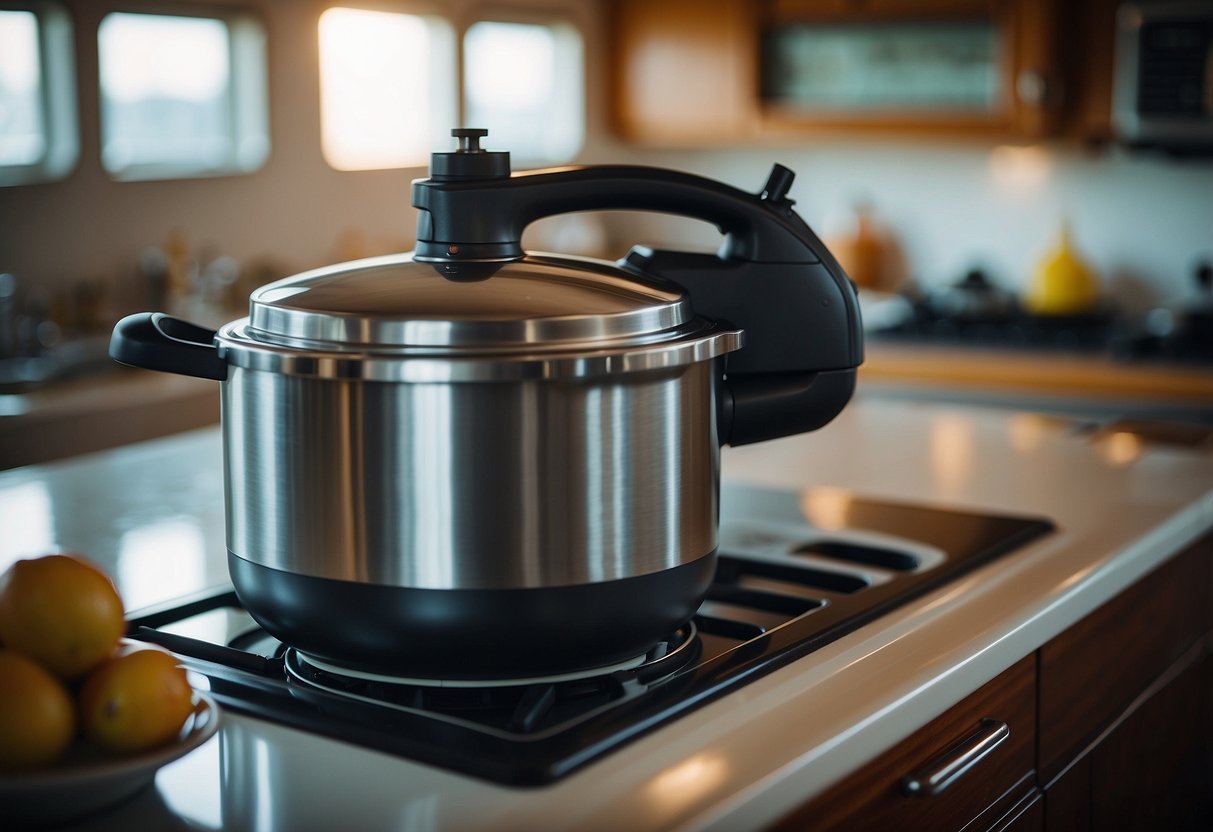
1020, 169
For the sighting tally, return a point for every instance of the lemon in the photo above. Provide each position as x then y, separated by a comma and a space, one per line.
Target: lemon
37, 716
61, 612
136, 700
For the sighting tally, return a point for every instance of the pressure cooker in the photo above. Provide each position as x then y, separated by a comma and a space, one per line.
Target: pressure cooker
471, 461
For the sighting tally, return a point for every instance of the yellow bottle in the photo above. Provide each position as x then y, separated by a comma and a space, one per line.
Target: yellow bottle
1062, 284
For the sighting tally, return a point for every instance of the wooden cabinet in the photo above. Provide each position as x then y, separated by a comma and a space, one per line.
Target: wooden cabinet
1111, 727
1086, 58
719, 71
1152, 769
683, 71
996, 786
951, 66
1126, 707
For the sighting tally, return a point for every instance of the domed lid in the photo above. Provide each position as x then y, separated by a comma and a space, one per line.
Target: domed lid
396, 304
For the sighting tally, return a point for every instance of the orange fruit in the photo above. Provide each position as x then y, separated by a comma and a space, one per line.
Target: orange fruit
137, 700
37, 717
61, 612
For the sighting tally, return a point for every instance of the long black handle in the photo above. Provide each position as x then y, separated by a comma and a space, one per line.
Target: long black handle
156, 341
469, 219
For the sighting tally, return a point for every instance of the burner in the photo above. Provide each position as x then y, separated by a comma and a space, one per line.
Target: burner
509, 706
663, 654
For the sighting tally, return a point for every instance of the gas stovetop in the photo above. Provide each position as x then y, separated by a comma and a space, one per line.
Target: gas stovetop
797, 570
1100, 334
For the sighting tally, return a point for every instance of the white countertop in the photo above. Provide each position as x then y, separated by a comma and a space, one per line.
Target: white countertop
153, 515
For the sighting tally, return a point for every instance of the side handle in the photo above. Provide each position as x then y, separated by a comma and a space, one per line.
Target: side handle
156, 341
940, 773
755, 408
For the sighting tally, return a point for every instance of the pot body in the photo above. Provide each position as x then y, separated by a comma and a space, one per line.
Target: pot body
487, 528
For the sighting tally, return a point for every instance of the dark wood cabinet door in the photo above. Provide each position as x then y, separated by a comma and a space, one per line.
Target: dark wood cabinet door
1029, 816
1155, 769
1068, 800
876, 796
1093, 671
1126, 707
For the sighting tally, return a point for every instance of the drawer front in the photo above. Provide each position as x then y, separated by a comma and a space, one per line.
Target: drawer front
1091, 672
895, 790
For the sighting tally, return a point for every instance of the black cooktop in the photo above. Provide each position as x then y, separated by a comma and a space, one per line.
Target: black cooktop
797, 571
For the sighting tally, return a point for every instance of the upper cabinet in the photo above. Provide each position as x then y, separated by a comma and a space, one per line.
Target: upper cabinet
684, 71
717, 71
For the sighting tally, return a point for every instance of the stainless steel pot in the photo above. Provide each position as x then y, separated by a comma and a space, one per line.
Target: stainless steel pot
481, 467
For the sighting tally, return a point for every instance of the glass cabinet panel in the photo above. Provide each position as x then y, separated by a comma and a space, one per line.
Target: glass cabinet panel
857, 69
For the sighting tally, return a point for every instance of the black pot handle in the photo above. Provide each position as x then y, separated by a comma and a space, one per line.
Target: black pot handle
156, 341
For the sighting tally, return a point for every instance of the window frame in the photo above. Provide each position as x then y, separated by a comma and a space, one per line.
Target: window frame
57, 88
247, 94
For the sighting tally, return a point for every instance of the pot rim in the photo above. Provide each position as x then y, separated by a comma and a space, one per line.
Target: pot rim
702, 340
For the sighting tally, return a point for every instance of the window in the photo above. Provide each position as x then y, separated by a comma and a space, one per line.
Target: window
23, 140
386, 88
181, 96
389, 95
38, 140
525, 83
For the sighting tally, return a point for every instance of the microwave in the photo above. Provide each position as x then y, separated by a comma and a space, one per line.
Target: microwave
1163, 76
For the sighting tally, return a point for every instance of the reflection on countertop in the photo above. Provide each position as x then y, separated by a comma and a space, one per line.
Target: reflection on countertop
154, 522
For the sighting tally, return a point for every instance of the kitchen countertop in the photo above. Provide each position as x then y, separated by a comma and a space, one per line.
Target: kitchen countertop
95, 412
152, 514
1098, 377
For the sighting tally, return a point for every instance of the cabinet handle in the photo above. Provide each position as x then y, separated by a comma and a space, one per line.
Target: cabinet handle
951, 764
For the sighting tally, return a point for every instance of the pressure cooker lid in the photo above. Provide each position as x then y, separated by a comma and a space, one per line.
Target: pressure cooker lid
533, 303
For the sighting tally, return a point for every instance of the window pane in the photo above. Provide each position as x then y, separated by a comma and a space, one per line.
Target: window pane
524, 82
22, 122
385, 96
165, 92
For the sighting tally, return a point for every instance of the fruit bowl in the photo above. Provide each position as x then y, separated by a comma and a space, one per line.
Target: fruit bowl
88, 779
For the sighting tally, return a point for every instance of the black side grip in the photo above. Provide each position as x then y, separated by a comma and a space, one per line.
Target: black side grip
761, 407
156, 341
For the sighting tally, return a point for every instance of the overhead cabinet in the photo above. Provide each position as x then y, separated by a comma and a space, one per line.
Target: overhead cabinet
684, 70
720, 70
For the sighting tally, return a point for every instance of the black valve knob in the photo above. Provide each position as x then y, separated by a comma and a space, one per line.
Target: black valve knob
470, 160
469, 138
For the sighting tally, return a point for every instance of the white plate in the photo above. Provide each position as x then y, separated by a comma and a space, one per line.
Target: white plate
88, 779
